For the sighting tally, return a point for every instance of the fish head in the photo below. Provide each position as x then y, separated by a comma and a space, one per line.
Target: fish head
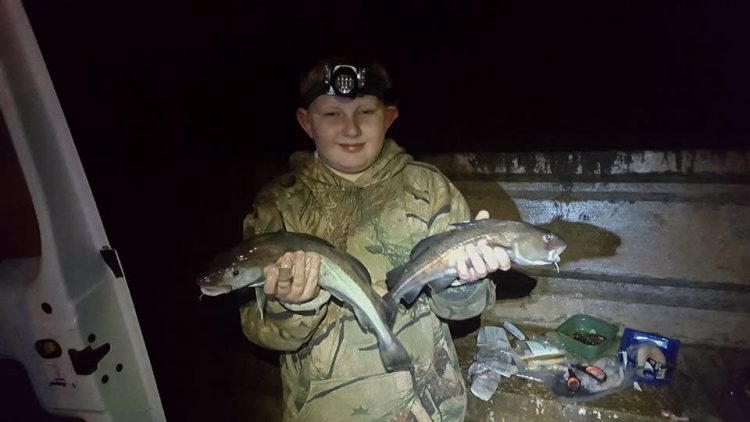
538, 247
230, 271
225, 280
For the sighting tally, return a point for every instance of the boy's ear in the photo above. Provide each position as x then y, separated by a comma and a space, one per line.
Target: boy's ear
391, 113
303, 117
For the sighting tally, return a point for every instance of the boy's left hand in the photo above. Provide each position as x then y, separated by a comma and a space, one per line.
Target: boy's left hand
475, 260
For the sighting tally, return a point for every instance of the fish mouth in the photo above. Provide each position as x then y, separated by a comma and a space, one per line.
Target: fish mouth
215, 290
554, 255
553, 258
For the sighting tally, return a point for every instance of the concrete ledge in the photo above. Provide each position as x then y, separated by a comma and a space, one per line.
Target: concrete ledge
689, 325
561, 164
665, 292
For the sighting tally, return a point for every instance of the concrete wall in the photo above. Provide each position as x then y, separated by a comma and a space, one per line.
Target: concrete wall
657, 240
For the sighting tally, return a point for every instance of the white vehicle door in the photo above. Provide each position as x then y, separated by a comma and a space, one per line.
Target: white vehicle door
65, 309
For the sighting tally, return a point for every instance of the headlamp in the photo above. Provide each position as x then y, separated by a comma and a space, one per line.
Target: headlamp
344, 80
347, 80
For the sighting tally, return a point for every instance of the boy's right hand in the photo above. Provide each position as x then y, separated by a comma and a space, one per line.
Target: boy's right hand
290, 280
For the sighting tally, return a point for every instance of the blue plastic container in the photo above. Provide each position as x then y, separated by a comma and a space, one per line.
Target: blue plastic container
653, 356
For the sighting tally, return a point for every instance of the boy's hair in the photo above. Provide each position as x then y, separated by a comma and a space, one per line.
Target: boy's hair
314, 83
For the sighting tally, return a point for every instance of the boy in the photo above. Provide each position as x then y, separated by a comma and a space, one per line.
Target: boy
364, 194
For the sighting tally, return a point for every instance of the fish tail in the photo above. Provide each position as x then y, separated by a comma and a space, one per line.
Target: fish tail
394, 356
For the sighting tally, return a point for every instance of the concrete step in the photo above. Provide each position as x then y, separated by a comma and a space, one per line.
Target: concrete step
723, 328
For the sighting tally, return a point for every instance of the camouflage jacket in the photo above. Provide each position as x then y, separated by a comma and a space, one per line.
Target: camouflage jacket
331, 368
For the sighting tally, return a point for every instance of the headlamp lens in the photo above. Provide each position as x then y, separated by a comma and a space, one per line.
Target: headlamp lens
344, 83
345, 80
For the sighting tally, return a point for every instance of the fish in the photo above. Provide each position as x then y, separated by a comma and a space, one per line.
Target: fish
341, 274
430, 260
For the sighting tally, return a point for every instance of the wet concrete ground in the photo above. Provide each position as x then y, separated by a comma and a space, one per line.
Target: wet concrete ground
710, 385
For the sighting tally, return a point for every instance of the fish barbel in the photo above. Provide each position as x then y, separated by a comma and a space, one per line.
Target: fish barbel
431, 259
341, 274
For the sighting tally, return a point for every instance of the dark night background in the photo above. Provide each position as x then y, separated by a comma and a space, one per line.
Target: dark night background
181, 110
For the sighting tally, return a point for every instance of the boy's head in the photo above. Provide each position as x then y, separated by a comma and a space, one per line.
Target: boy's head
346, 109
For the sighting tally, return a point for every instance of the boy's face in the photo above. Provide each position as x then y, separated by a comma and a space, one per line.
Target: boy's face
348, 132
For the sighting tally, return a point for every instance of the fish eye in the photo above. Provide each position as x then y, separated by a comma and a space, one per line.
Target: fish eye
548, 237
236, 272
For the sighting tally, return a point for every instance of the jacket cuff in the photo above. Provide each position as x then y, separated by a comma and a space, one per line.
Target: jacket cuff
464, 301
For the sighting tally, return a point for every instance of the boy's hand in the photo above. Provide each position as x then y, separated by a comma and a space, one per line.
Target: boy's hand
475, 260
290, 280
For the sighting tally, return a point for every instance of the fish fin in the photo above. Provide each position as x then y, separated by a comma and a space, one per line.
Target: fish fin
427, 243
392, 280
442, 283
394, 356
411, 295
260, 300
260, 280
310, 237
393, 276
467, 224
391, 309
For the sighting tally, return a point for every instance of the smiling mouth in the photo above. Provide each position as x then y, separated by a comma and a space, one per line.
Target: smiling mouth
352, 147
